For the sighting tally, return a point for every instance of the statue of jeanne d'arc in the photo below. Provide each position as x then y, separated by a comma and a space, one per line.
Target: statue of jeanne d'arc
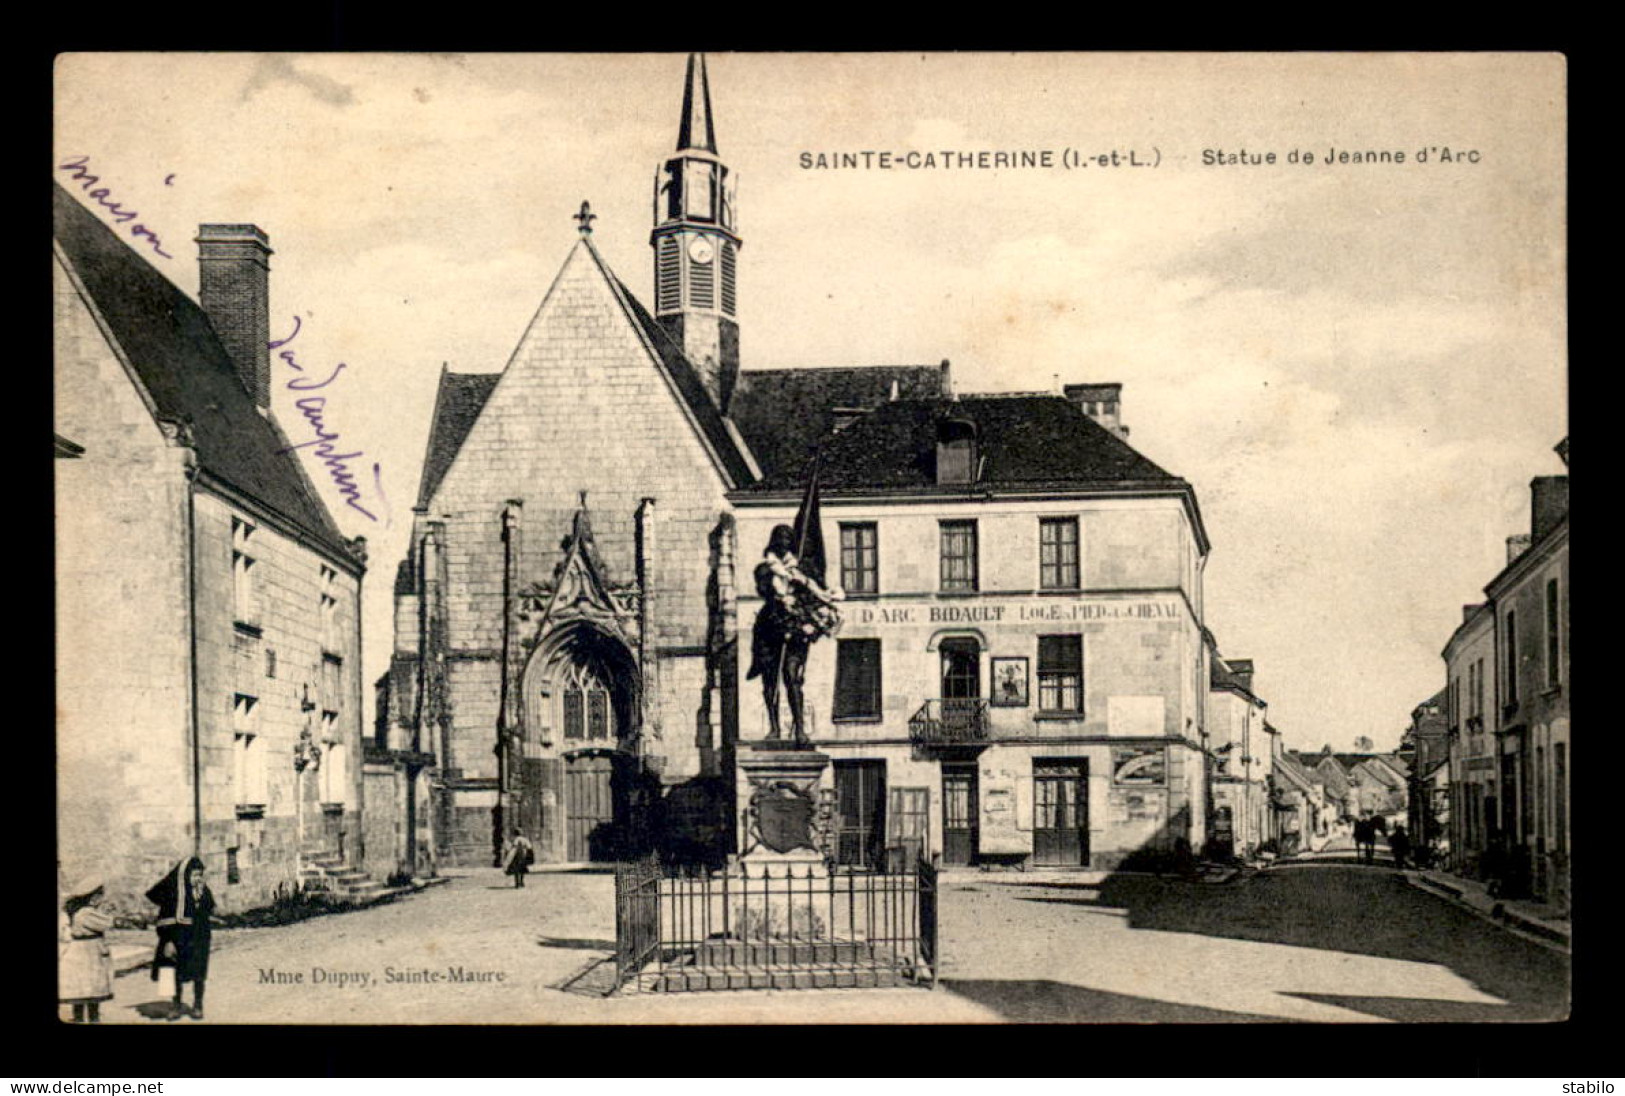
797, 610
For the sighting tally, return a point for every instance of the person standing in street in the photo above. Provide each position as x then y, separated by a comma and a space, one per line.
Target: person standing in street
1399, 843
185, 931
85, 965
518, 858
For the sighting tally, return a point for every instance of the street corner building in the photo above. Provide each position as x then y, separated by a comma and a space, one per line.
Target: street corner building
1022, 675
1506, 817
208, 627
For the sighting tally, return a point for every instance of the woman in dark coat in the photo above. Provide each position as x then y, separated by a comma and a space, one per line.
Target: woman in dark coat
185, 910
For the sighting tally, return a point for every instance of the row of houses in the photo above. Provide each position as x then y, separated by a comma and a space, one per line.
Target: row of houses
1493, 790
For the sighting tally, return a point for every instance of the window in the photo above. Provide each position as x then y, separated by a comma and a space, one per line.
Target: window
958, 555
956, 452
574, 714
1537, 796
245, 600
330, 610
1453, 717
1553, 643
857, 679
860, 559
331, 684
1512, 657
586, 708
1560, 796
335, 770
248, 753
1478, 691
1058, 553
1060, 673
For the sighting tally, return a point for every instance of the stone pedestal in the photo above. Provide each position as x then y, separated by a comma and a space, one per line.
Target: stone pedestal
778, 791
783, 834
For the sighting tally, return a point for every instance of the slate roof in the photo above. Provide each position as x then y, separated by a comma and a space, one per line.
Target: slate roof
1024, 441
462, 396
717, 431
785, 413
456, 405
187, 374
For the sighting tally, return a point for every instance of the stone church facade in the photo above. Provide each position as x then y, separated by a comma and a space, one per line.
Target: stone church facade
564, 632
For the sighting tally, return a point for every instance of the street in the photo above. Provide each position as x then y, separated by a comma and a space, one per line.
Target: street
1318, 940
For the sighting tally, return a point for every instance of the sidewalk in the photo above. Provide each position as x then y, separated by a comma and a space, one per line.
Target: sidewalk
1536, 919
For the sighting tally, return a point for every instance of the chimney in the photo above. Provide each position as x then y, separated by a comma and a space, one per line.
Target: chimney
1467, 611
1517, 545
947, 380
1101, 402
1548, 504
234, 266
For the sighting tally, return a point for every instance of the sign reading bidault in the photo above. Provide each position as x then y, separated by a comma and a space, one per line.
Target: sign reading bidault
1015, 612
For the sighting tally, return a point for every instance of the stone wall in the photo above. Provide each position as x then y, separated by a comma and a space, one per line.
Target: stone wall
123, 773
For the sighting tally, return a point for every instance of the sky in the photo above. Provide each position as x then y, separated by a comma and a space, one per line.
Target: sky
1358, 365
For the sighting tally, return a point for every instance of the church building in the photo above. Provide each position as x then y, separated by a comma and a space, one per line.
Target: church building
1021, 676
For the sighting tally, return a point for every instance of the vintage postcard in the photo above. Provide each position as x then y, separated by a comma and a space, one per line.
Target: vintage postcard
795, 538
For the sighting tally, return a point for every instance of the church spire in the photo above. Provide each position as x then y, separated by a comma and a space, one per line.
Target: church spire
696, 244
696, 131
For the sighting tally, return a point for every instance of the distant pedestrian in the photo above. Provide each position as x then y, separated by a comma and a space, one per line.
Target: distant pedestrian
519, 857
1399, 843
1365, 839
85, 965
185, 931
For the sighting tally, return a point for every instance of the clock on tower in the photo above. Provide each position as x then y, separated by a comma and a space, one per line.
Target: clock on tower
696, 244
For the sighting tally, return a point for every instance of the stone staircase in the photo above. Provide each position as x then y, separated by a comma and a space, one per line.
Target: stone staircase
326, 871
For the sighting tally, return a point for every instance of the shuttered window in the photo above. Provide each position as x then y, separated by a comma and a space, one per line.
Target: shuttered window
668, 277
729, 268
702, 284
857, 679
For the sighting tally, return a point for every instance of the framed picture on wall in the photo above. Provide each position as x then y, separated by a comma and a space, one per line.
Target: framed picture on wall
1009, 683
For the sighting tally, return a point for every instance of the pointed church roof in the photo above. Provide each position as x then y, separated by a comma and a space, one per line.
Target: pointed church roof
462, 396
187, 376
696, 131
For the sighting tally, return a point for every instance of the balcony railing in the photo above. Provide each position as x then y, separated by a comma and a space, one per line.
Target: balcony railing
950, 722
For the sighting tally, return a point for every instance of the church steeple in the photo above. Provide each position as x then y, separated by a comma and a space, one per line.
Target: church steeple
696, 131
696, 243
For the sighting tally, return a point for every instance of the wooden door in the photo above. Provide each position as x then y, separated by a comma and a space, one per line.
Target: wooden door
958, 815
1060, 813
860, 797
589, 808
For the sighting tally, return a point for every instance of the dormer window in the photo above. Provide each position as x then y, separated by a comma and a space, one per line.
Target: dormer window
956, 451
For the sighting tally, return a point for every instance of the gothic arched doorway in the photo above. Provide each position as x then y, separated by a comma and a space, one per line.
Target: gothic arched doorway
576, 777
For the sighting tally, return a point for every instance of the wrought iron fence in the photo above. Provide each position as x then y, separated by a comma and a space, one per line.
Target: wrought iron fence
774, 927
